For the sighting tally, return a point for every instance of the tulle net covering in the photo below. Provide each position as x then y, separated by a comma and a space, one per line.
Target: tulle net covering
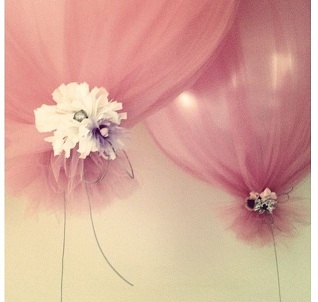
245, 124
144, 53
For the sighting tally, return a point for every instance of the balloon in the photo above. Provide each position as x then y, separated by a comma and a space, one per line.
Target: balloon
144, 53
245, 124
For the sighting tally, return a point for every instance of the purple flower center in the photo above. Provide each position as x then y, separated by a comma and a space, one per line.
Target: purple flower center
101, 132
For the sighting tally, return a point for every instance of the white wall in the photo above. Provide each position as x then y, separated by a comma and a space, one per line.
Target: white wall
163, 238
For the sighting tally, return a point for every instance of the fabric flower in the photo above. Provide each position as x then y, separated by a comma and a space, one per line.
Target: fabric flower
82, 117
254, 195
144, 52
257, 228
262, 203
268, 194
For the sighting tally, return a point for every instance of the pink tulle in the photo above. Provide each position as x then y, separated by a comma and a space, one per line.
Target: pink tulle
143, 52
245, 125
57, 176
256, 228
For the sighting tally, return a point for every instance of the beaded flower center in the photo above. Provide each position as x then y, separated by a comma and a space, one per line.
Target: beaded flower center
80, 115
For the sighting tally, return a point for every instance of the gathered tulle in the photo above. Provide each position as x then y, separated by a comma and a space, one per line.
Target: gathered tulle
56, 176
43, 179
256, 228
245, 124
144, 53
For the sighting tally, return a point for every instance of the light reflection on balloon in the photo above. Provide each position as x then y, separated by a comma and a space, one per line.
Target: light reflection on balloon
251, 127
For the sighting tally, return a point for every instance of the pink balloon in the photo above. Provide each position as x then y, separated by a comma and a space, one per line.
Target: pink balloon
143, 52
245, 125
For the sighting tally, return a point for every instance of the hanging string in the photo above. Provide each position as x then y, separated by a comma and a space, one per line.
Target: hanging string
102, 174
131, 172
104, 170
276, 259
287, 194
98, 244
63, 250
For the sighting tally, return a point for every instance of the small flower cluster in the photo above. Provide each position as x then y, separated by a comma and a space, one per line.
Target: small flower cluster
82, 118
262, 203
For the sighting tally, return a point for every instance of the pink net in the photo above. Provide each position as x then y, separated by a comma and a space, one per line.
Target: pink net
143, 52
245, 124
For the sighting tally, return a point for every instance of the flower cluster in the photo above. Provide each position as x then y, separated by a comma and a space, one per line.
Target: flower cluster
82, 118
262, 203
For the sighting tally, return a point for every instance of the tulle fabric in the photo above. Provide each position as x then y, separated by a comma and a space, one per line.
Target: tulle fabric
57, 179
245, 124
143, 52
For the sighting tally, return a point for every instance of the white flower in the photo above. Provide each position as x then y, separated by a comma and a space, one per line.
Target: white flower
84, 118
